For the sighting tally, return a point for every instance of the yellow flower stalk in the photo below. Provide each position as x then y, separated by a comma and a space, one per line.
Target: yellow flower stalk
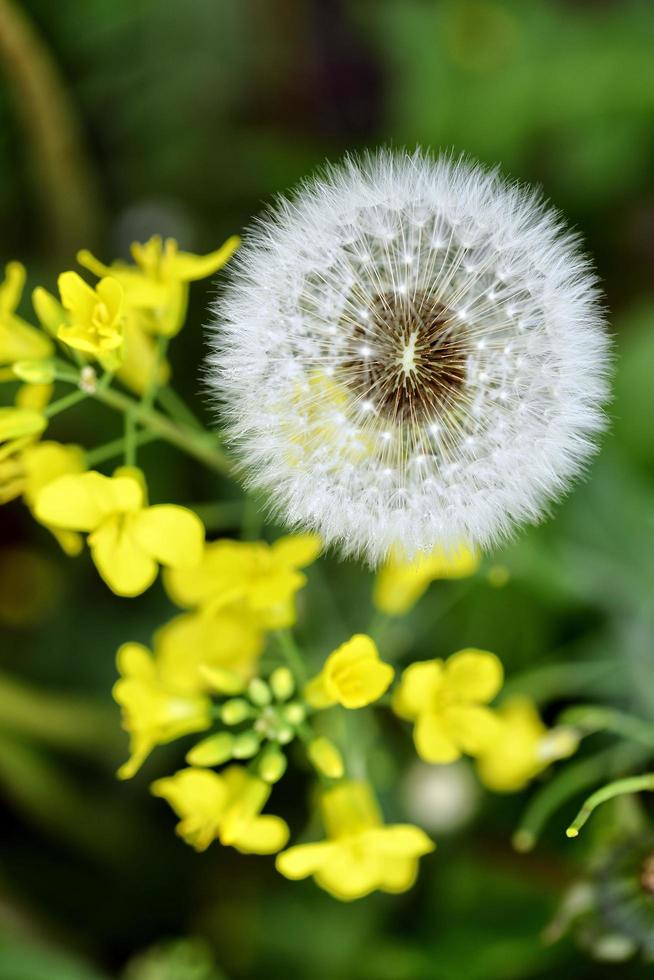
154, 712
128, 539
95, 323
523, 747
448, 701
399, 584
263, 579
19, 341
353, 676
157, 283
225, 807
361, 854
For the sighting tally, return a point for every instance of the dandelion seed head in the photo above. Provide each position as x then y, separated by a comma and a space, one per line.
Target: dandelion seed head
410, 353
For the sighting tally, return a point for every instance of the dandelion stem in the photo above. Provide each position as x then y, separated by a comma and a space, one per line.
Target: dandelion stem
631, 784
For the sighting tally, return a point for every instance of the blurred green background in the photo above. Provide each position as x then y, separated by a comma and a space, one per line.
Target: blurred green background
121, 118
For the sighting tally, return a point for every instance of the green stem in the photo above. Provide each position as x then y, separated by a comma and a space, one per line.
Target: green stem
116, 447
569, 781
292, 654
63, 403
631, 784
252, 520
130, 439
596, 718
177, 408
147, 399
185, 439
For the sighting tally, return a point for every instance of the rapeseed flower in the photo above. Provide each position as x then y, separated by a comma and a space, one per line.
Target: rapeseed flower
19, 341
259, 578
128, 539
353, 676
400, 583
225, 806
448, 701
522, 747
95, 317
191, 644
361, 854
157, 283
154, 711
18, 427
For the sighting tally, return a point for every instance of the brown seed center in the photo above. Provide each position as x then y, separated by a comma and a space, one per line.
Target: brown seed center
407, 358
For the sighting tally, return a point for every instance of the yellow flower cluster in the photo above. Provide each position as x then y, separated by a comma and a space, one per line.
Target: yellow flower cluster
448, 701
238, 590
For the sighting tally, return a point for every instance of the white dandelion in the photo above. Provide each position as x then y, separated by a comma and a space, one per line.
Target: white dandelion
410, 353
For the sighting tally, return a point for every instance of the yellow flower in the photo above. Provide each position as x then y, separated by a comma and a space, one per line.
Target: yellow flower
227, 639
19, 341
360, 855
95, 316
140, 356
261, 578
153, 712
41, 464
127, 538
158, 282
522, 748
353, 676
19, 427
225, 806
447, 700
399, 584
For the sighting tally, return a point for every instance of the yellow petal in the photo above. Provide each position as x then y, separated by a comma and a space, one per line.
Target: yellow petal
11, 289
76, 295
263, 835
354, 675
474, 675
398, 875
304, 859
124, 566
135, 660
80, 502
472, 727
297, 550
49, 310
170, 534
189, 267
433, 740
111, 293
400, 840
34, 397
420, 685
15, 423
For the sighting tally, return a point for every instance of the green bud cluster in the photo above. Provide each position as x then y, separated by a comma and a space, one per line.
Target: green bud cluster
265, 713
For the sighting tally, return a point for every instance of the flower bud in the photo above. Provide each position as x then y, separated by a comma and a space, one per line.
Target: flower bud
326, 758
282, 683
212, 751
295, 713
235, 711
35, 372
272, 765
259, 692
246, 745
